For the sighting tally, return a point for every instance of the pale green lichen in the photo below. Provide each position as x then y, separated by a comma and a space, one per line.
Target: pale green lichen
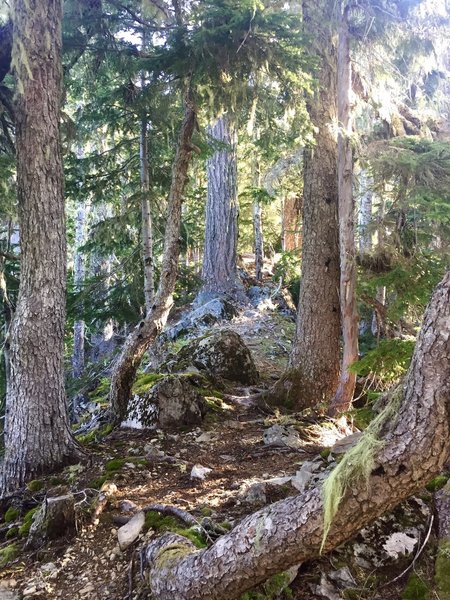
172, 553
357, 463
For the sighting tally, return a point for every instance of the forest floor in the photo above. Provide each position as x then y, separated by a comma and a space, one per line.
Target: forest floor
155, 467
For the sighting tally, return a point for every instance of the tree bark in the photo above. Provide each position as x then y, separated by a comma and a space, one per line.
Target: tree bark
290, 222
37, 434
413, 445
219, 272
138, 341
312, 375
343, 398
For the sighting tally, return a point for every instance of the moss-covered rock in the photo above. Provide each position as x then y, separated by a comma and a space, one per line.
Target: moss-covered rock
416, 589
54, 518
8, 554
222, 354
173, 402
11, 514
442, 574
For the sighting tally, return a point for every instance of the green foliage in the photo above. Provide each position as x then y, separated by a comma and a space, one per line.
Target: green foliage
442, 572
35, 485
388, 361
24, 529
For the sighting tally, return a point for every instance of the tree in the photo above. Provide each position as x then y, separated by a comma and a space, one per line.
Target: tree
219, 272
313, 370
138, 341
400, 452
37, 433
344, 394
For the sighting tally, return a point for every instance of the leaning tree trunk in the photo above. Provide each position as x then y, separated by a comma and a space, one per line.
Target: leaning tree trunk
344, 394
37, 434
138, 341
219, 272
410, 443
313, 372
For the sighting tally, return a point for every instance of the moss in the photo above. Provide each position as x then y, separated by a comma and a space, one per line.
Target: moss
95, 435
11, 514
170, 553
12, 533
275, 587
357, 463
159, 522
145, 382
226, 525
100, 393
35, 485
416, 589
114, 465
442, 572
97, 483
437, 483
57, 481
24, 529
8, 554
362, 417
325, 453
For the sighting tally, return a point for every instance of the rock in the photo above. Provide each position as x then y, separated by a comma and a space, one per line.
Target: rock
326, 589
211, 312
267, 298
129, 532
221, 355
205, 438
255, 495
341, 446
400, 543
54, 518
282, 435
300, 480
199, 472
171, 403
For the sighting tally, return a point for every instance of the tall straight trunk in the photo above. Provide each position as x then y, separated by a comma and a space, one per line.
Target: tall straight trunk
312, 375
79, 270
140, 338
259, 239
410, 444
219, 272
37, 434
365, 211
290, 222
349, 313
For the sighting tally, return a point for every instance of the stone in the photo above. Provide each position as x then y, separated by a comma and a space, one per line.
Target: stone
341, 446
300, 480
200, 472
255, 495
173, 402
213, 311
54, 518
222, 355
129, 533
282, 435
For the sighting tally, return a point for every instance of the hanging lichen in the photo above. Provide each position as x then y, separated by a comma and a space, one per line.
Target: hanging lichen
357, 463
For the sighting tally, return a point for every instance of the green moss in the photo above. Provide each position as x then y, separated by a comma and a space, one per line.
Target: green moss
57, 481
442, 572
96, 435
226, 525
325, 453
416, 589
11, 514
206, 511
12, 533
100, 393
159, 522
437, 483
357, 463
114, 465
362, 417
275, 587
35, 485
97, 483
8, 554
145, 382
24, 529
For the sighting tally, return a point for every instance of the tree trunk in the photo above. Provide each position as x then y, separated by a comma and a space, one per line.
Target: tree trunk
78, 278
290, 222
409, 446
313, 372
138, 341
365, 211
344, 394
259, 239
219, 273
37, 434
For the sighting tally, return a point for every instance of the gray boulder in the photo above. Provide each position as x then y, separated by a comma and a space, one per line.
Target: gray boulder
216, 309
220, 355
54, 518
172, 402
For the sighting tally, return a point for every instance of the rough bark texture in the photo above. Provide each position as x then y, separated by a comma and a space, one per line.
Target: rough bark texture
349, 314
291, 237
414, 445
313, 371
219, 273
365, 211
37, 436
144, 333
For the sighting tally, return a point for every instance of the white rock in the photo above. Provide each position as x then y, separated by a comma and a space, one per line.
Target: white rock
129, 532
399, 543
199, 472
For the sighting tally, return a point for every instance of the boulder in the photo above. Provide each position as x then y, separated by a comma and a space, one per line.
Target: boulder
130, 532
172, 402
220, 355
54, 518
282, 435
216, 309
